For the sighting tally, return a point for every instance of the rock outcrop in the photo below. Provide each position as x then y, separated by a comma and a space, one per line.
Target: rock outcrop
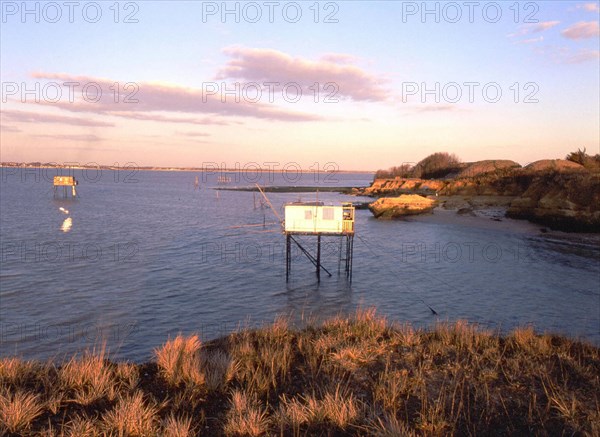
487, 166
557, 193
560, 165
564, 201
399, 185
397, 207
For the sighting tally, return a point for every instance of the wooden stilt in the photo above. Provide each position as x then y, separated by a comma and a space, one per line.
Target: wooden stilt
351, 254
319, 257
287, 257
340, 254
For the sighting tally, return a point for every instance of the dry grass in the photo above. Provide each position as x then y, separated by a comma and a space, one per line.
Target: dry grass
219, 369
81, 426
179, 361
14, 371
245, 416
174, 426
18, 410
354, 375
131, 416
337, 407
87, 378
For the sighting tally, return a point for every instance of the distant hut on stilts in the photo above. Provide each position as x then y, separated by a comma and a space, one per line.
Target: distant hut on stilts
65, 182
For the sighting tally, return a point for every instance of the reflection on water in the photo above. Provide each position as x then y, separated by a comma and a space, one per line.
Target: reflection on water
66, 224
154, 258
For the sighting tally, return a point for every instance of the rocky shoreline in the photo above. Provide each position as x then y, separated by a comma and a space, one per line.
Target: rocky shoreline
559, 194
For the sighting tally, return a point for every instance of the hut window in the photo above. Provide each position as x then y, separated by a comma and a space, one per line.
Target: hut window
327, 213
307, 214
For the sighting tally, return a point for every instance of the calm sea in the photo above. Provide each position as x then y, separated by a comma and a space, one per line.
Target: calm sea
142, 256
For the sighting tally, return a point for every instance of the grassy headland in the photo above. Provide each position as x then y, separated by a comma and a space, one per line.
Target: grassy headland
347, 376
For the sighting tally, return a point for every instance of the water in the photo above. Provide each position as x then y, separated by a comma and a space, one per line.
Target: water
150, 257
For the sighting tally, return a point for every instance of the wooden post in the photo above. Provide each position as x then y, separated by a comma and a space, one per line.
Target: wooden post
288, 260
347, 255
319, 257
351, 255
340, 255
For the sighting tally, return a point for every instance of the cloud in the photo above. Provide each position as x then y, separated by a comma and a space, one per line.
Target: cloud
36, 117
267, 65
339, 58
166, 119
534, 28
4, 128
582, 30
583, 55
437, 108
532, 40
71, 137
194, 134
590, 7
152, 98
566, 55
540, 27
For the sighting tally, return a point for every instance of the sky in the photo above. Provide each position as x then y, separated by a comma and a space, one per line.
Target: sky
355, 85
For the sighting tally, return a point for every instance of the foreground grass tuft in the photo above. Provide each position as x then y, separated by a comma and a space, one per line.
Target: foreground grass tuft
356, 375
246, 416
179, 361
18, 410
131, 416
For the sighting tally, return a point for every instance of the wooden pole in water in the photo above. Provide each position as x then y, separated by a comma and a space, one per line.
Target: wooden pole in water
351, 255
287, 257
319, 257
340, 254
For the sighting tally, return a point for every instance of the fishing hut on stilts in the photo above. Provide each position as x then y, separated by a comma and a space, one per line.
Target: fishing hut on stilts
318, 220
65, 182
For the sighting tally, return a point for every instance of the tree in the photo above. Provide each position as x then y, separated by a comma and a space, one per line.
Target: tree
403, 171
588, 161
437, 165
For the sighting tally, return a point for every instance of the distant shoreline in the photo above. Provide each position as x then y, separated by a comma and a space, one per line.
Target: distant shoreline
181, 169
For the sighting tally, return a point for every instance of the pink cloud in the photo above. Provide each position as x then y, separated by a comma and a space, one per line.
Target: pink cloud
71, 137
534, 28
36, 117
151, 98
532, 40
540, 27
166, 119
582, 30
4, 128
582, 56
267, 65
339, 58
194, 134
590, 7
437, 108
566, 55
